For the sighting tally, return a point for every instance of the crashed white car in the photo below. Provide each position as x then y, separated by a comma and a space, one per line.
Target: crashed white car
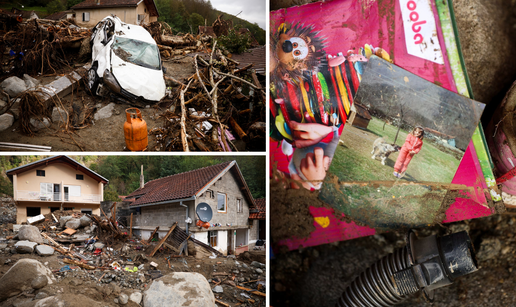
126, 60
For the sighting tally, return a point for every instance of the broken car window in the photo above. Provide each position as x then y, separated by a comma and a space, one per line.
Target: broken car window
137, 52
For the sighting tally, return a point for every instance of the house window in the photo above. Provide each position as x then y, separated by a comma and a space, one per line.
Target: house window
141, 18
79, 177
33, 211
240, 206
209, 193
221, 202
46, 191
86, 16
87, 211
212, 237
40, 173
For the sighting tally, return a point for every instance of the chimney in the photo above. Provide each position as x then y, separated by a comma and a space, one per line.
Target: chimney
142, 182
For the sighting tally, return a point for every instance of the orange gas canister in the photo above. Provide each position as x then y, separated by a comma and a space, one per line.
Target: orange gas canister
135, 130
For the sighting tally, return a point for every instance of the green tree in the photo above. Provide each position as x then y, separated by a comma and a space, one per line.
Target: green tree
55, 6
71, 3
196, 20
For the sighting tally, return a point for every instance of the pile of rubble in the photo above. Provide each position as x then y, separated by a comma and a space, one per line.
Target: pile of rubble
97, 257
7, 209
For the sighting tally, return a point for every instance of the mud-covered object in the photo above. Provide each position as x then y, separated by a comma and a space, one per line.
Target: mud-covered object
179, 289
20, 276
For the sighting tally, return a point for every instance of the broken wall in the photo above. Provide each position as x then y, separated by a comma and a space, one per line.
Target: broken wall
45, 207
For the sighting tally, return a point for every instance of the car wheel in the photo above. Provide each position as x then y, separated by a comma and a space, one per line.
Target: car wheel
92, 83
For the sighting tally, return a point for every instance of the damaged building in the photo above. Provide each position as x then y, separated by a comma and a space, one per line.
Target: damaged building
55, 183
164, 201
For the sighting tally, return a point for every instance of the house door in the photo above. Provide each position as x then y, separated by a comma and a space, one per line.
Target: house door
261, 229
57, 192
231, 250
66, 196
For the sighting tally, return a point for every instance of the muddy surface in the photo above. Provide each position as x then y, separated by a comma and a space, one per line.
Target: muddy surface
102, 135
317, 276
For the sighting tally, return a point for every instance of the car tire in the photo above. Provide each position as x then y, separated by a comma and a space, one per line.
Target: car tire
92, 82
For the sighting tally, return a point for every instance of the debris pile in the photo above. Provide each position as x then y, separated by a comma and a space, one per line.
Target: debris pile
38, 46
175, 45
96, 255
226, 109
7, 209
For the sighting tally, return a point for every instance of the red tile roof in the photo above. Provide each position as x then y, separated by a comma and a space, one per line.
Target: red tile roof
179, 186
260, 205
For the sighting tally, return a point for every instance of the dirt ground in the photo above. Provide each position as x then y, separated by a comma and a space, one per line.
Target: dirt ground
105, 134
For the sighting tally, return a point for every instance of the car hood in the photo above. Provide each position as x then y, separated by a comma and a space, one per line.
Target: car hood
138, 80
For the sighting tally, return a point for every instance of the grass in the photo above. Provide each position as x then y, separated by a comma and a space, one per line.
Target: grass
381, 206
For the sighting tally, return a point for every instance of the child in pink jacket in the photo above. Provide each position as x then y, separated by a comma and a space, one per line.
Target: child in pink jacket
412, 146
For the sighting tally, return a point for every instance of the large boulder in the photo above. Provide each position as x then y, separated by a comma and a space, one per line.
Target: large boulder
73, 223
105, 112
30, 233
25, 247
179, 289
85, 221
6, 121
20, 276
63, 220
13, 86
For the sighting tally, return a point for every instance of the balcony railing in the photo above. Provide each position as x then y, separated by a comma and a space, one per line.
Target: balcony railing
37, 196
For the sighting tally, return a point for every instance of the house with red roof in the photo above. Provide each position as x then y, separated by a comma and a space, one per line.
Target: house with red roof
88, 13
220, 189
55, 183
257, 217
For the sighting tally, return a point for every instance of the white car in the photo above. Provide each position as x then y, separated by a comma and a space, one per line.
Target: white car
126, 60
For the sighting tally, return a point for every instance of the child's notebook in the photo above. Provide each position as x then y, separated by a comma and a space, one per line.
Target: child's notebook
319, 54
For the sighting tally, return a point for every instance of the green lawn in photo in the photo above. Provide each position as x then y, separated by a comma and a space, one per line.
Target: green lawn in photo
382, 206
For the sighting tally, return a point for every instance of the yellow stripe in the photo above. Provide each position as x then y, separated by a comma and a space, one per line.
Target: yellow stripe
305, 100
343, 91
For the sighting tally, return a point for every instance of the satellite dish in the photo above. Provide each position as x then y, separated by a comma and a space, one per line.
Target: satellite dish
204, 212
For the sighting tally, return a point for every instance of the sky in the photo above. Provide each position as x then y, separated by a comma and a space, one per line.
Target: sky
252, 10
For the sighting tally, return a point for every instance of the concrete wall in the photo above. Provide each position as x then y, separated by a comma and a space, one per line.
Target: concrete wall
126, 14
253, 232
21, 208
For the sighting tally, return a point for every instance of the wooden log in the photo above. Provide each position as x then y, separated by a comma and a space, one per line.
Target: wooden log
255, 80
79, 264
222, 303
131, 227
200, 144
163, 47
163, 240
174, 41
236, 71
199, 95
151, 236
172, 248
258, 293
236, 127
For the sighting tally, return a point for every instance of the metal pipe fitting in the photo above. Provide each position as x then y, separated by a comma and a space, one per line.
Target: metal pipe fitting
423, 265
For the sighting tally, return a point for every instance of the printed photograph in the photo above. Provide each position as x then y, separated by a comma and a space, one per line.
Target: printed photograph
402, 143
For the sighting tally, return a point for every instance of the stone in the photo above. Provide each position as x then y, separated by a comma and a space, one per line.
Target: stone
19, 277
73, 223
259, 271
30, 83
40, 295
6, 121
13, 86
25, 247
99, 245
39, 124
85, 221
257, 264
105, 112
62, 300
490, 248
39, 282
30, 233
17, 227
63, 220
3, 246
218, 289
179, 289
59, 115
123, 298
44, 250
136, 297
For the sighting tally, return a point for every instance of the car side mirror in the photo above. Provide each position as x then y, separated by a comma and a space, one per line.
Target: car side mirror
164, 69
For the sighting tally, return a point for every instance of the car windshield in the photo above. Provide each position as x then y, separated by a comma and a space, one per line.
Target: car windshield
137, 52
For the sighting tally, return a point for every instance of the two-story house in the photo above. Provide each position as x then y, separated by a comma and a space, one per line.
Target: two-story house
163, 201
55, 183
88, 13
